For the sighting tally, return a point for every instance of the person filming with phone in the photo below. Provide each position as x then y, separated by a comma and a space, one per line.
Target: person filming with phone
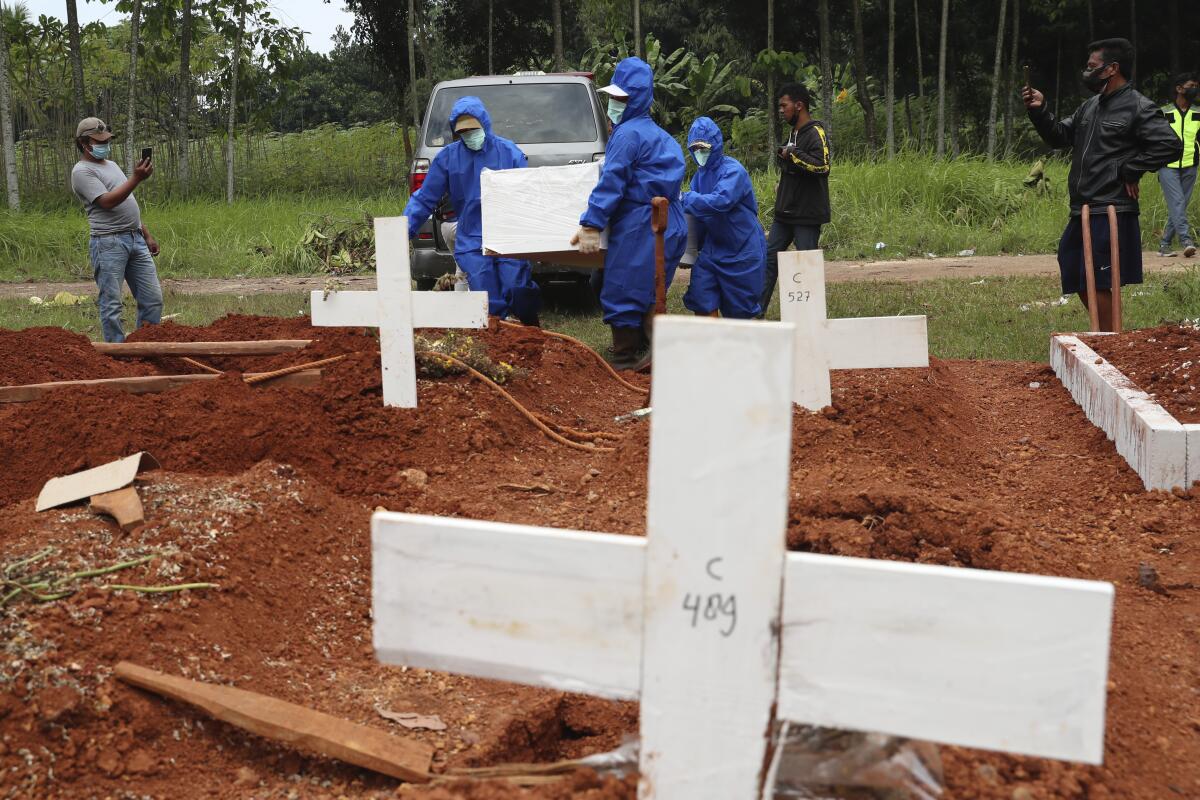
121, 248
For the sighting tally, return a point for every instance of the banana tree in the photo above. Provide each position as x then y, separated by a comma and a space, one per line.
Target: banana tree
670, 71
705, 84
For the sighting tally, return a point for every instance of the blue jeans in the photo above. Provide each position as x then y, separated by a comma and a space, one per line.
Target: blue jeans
1177, 187
124, 257
782, 234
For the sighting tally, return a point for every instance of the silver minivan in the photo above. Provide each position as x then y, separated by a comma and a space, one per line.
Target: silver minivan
554, 118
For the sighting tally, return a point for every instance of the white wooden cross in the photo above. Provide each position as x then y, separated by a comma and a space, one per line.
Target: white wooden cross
824, 344
396, 310
717, 629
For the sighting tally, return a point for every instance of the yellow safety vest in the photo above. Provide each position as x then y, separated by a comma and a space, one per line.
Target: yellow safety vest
1186, 126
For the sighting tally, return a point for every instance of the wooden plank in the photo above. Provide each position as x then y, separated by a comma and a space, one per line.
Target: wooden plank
296, 725
394, 297
714, 559
802, 303
959, 656
1144, 433
146, 384
545, 607
430, 309
123, 505
146, 349
877, 342
96, 480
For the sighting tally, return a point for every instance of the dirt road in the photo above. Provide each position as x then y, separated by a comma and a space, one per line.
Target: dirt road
836, 272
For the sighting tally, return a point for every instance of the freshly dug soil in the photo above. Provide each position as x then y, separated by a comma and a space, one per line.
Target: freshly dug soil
1164, 362
267, 492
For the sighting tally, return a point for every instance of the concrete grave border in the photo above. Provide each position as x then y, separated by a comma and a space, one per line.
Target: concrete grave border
1164, 452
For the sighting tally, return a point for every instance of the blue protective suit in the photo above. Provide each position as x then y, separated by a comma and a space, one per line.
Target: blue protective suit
728, 273
642, 162
508, 282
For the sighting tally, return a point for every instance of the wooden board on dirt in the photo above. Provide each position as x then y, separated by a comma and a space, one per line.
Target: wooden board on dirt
145, 384
267, 347
296, 725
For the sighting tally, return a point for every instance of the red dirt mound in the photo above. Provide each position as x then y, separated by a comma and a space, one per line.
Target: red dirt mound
43, 355
268, 491
1164, 362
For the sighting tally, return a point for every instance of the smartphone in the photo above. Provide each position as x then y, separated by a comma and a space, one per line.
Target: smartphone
147, 153
1027, 79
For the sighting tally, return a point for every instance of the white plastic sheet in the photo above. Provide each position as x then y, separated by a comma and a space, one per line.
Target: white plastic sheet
534, 212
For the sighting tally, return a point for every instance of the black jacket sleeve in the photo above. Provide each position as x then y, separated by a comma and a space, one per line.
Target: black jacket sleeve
1157, 143
810, 155
1055, 132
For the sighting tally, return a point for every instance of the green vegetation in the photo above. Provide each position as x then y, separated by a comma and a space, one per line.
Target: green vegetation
915, 205
989, 318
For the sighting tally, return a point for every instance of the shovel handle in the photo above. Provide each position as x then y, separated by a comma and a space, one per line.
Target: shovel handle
658, 224
1089, 268
1115, 251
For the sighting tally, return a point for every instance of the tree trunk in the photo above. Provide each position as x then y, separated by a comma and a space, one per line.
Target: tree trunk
1133, 40
920, 72
890, 91
185, 94
235, 64
997, 63
412, 65
1173, 35
952, 123
76, 60
637, 28
135, 29
860, 79
559, 61
826, 66
772, 100
1091, 21
941, 101
7, 142
1011, 94
491, 67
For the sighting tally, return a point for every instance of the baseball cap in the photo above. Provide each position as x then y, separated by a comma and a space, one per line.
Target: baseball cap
615, 91
95, 128
700, 144
465, 123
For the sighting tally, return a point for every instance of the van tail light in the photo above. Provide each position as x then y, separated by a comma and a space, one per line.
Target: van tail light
597, 156
416, 175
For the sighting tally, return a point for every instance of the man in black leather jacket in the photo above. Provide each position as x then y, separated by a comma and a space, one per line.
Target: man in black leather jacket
1116, 137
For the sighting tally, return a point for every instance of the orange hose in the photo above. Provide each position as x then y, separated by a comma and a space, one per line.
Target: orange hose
524, 411
603, 362
279, 373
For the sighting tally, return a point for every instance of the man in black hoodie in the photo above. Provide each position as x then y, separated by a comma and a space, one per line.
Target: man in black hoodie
1116, 137
802, 196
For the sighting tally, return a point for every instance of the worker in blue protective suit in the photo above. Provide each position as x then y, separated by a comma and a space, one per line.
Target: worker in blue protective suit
641, 162
728, 274
508, 282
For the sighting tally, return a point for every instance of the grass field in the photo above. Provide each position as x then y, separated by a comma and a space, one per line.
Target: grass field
993, 318
913, 205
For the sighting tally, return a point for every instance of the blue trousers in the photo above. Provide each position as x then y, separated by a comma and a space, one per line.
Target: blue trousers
782, 234
124, 257
1177, 185
500, 278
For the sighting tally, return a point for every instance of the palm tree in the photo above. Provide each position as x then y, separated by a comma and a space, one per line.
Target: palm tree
135, 25
235, 63
6, 123
185, 93
771, 107
941, 111
860, 77
996, 64
890, 91
556, 13
826, 65
76, 59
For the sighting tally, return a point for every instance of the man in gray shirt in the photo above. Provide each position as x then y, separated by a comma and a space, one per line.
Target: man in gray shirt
120, 247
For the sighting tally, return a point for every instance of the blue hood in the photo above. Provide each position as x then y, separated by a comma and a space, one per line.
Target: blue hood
471, 106
637, 79
705, 130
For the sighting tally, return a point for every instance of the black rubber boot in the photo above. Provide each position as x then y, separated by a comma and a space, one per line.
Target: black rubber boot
627, 349
525, 305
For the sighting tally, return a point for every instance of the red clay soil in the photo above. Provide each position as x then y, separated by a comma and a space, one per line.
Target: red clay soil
267, 493
1164, 362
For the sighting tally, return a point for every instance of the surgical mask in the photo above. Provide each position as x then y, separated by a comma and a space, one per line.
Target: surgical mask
1092, 80
102, 151
473, 139
1191, 93
701, 156
616, 109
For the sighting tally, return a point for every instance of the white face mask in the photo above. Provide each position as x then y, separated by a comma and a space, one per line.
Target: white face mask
473, 139
701, 156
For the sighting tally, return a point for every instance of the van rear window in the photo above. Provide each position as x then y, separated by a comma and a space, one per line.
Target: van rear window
526, 113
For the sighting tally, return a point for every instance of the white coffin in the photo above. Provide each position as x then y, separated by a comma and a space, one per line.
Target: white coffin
534, 212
